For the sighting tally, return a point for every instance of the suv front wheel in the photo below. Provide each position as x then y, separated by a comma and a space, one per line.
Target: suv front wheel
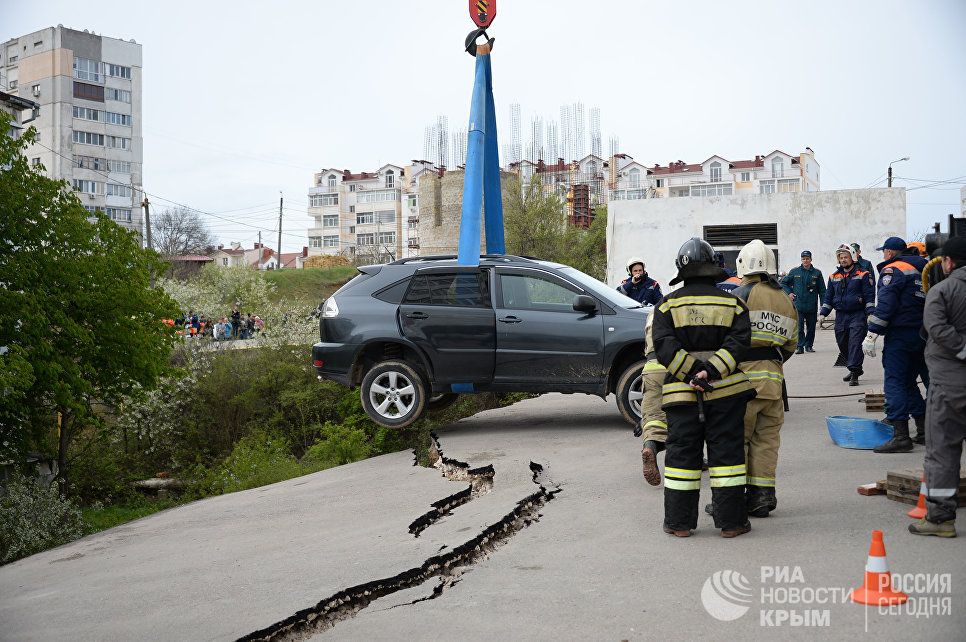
393, 394
630, 393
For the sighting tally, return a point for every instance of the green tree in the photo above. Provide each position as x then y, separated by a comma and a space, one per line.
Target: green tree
78, 321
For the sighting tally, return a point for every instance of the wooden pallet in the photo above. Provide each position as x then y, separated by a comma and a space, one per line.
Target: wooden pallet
903, 486
874, 401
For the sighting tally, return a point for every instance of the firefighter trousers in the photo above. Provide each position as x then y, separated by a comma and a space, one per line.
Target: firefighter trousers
945, 431
723, 430
763, 423
653, 419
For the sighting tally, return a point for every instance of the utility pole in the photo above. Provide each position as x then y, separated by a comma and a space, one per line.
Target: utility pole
890, 175
279, 257
904, 158
147, 233
261, 250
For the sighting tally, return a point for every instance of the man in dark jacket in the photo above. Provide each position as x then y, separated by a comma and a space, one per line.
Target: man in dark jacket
700, 335
806, 287
851, 294
638, 285
863, 263
944, 318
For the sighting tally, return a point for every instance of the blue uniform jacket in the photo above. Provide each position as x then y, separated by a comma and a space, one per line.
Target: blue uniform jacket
900, 295
849, 290
808, 286
647, 292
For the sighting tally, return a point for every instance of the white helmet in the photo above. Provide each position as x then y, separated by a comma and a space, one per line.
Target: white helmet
634, 260
848, 249
755, 258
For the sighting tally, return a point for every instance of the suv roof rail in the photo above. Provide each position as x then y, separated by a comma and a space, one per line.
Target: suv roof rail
450, 257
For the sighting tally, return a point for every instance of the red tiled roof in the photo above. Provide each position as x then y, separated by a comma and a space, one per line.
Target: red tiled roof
747, 164
675, 168
289, 259
191, 258
232, 252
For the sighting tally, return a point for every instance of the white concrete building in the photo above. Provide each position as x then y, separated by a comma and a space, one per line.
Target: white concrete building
89, 90
655, 228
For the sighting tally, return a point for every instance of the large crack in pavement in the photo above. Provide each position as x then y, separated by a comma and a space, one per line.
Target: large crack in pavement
449, 567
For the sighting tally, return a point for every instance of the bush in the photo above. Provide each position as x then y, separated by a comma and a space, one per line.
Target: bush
256, 460
340, 444
33, 517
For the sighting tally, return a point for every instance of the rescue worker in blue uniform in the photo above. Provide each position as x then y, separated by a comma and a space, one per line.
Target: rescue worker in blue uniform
861, 261
806, 287
639, 286
851, 294
898, 316
732, 282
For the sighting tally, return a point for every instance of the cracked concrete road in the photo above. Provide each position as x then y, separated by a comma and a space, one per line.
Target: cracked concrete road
595, 566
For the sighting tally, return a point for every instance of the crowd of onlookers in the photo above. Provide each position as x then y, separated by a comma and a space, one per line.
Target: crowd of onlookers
234, 325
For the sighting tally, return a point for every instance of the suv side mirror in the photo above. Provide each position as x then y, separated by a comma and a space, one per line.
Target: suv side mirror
584, 303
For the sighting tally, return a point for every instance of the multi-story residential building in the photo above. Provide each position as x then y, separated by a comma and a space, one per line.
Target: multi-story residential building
358, 215
89, 91
17, 108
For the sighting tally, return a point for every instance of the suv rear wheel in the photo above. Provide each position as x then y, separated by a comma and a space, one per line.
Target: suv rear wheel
630, 393
393, 394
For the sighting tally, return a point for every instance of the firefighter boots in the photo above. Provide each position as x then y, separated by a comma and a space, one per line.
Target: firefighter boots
652, 474
900, 442
760, 501
920, 437
925, 527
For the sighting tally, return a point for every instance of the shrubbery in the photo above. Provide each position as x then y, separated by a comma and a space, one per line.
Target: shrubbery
33, 517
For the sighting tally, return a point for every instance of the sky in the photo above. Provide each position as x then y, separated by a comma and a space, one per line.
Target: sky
244, 100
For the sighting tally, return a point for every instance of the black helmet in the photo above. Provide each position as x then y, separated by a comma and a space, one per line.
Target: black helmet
697, 258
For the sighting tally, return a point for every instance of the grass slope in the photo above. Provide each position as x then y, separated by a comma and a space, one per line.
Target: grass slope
310, 285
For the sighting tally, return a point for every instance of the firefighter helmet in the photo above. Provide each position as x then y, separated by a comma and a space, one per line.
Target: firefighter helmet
846, 249
634, 260
756, 258
695, 259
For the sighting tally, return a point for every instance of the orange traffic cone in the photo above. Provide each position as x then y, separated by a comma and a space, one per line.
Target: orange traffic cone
920, 510
877, 589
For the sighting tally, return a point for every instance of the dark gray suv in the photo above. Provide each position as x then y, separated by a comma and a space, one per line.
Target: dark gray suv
415, 333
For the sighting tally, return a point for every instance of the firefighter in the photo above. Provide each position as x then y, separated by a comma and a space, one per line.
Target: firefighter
945, 322
700, 334
774, 338
638, 285
653, 419
898, 316
851, 293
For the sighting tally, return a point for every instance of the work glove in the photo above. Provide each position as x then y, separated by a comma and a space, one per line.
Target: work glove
638, 431
868, 346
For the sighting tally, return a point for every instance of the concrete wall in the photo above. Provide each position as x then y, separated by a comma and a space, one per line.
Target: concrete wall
818, 221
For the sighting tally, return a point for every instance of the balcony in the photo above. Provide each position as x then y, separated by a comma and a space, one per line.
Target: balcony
414, 243
323, 190
413, 220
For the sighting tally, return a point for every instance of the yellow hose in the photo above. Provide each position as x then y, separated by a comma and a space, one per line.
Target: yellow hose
925, 272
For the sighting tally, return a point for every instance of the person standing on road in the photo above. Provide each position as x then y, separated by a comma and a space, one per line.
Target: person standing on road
851, 294
638, 285
806, 288
774, 338
898, 316
653, 419
700, 334
944, 318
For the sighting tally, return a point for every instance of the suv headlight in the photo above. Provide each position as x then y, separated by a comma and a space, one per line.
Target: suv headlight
330, 309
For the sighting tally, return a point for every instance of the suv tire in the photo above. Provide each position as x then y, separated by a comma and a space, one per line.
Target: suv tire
630, 393
393, 394
441, 401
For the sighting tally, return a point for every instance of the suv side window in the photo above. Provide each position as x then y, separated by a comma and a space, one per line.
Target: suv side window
535, 292
460, 289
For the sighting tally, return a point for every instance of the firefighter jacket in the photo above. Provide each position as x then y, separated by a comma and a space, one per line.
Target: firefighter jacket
808, 286
699, 327
647, 292
900, 296
774, 334
849, 290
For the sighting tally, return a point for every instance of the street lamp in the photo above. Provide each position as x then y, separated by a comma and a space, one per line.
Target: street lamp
904, 158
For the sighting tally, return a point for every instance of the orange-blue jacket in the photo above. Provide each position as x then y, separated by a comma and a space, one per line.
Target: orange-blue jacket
849, 290
900, 296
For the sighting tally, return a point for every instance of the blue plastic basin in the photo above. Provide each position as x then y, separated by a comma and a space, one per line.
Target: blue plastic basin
858, 432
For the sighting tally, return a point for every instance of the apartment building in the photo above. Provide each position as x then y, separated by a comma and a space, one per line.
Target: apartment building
21, 112
88, 88
774, 173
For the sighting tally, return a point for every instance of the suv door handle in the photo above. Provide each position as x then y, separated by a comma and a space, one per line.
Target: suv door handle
417, 315
510, 319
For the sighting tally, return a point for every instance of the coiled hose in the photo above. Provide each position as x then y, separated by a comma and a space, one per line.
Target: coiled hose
928, 270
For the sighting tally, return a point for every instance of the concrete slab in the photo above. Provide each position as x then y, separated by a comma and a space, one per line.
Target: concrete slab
595, 565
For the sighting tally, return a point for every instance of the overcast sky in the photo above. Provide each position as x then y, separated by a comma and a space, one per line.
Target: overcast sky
244, 99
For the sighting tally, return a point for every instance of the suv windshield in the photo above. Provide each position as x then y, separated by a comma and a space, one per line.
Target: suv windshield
604, 292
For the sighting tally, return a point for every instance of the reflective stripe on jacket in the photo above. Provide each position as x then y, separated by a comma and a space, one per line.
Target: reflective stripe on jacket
900, 296
849, 290
774, 324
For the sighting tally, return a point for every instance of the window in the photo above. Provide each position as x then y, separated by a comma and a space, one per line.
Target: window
789, 185
365, 239
35, 161
315, 200
331, 180
777, 167
411, 201
386, 216
315, 241
533, 292
119, 71
378, 196
330, 199
390, 178
118, 142
119, 167
330, 220
224, 261
12, 84
766, 187
711, 190
352, 209
87, 187
634, 178
93, 209
120, 95
85, 69
330, 241
745, 177
88, 138
117, 119
85, 91
121, 214
364, 217
715, 171
113, 189
86, 113
12, 59
35, 89
386, 238
463, 289
659, 182
352, 188
89, 162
